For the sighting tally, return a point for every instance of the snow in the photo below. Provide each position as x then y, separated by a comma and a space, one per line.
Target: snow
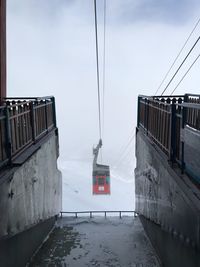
77, 189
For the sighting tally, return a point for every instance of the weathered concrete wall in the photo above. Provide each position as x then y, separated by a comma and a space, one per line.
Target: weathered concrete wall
32, 192
192, 151
163, 196
172, 252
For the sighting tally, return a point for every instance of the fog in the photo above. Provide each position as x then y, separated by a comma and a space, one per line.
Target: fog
51, 51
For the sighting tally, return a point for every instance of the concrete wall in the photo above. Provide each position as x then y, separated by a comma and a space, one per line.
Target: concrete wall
31, 193
191, 139
170, 250
163, 196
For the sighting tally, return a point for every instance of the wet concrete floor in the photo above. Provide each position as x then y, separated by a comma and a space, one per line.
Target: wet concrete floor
97, 242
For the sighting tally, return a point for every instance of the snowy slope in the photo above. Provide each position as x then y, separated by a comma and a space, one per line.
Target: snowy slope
77, 189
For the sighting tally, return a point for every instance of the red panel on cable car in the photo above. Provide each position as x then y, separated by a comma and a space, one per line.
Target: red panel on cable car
101, 174
101, 184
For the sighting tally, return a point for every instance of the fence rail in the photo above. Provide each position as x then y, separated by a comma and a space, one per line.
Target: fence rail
24, 121
162, 119
91, 213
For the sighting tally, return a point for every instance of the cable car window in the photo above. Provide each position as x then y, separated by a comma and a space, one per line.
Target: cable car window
94, 180
101, 181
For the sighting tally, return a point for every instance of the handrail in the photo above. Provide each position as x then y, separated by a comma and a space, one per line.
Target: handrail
120, 212
163, 121
28, 98
23, 122
190, 105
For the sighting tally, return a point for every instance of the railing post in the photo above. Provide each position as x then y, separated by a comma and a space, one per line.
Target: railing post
46, 116
8, 136
184, 116
146, 115
54, 111
173, 133
90, 214
138, 112
147, 111
32, 120
120, 214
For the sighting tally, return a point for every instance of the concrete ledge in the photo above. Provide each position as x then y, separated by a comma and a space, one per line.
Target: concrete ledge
17, 251
169, 248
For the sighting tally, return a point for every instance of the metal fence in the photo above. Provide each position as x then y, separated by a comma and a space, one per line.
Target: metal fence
104, 213
163, 118
24, 121
154, 118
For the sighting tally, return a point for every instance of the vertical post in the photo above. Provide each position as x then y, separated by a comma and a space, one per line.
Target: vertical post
120, 214
2, 49
32, 120
46, 116
105, 214
184, 111
184, 116
138, 112
54, 112
90, 214
8, 136
76, 214
173, 132
147, 115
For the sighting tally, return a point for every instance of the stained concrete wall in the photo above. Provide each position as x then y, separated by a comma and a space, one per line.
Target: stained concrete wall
31, 193
191, 138
164, 196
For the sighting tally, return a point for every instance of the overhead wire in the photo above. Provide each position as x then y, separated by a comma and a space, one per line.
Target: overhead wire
185, 74
97, 67
103, 75
178, 55
176, 72
125, 156
122, 148
104, 63
124, 151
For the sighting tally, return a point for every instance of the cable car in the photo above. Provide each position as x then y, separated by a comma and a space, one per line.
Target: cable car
100, 174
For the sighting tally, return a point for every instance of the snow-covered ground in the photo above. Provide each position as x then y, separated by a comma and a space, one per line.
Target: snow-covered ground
77, 189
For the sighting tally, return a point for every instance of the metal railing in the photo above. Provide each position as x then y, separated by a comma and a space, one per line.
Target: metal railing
162, 119
24, 121
154, 118
104, 213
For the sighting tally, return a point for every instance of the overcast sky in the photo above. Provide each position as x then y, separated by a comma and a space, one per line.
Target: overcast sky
51, 51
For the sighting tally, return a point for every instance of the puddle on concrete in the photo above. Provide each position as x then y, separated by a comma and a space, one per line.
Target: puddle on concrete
57, 247
97, 242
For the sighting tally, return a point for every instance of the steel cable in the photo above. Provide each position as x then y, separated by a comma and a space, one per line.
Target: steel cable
172, 65
181, 65
186, 73
104, 63
97, 66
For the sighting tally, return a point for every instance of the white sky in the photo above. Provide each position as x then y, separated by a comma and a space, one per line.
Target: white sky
51, 51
